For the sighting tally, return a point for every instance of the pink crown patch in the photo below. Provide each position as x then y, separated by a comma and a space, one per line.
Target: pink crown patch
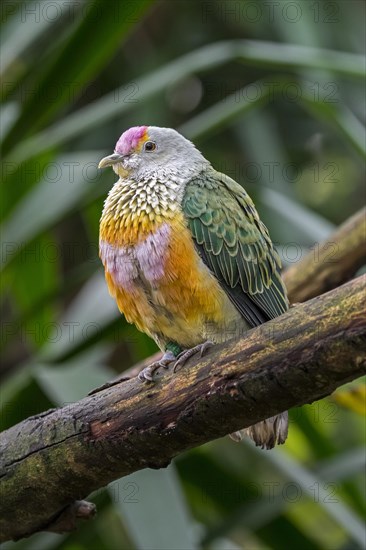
130, 139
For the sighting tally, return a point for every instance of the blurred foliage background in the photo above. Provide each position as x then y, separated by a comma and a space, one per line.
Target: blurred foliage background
273, 94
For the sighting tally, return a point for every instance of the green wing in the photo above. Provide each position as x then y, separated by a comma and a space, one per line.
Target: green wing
235, 245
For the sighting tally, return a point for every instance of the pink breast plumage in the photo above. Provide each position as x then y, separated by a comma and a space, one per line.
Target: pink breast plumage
147, 258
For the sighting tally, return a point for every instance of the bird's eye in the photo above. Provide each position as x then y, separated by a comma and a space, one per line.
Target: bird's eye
150, 146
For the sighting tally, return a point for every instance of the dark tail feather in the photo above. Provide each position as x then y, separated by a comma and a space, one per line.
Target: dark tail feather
268, 433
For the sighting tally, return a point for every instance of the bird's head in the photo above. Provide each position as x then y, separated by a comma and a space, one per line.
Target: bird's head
150, 152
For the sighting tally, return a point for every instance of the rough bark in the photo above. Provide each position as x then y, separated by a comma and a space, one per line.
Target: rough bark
52, 460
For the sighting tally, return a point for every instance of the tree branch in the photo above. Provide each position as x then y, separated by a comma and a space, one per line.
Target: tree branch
51, 460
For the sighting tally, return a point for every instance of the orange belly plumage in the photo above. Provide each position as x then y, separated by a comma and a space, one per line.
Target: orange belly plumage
163, 287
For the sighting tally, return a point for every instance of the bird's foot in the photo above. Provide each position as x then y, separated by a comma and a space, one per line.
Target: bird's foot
186, 354
146, 375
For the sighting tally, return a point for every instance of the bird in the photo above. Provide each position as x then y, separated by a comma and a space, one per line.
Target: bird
186, 256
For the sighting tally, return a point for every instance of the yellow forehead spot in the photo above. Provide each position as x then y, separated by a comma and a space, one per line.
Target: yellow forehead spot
143, 139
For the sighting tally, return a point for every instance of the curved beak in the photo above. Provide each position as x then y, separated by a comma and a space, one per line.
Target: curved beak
110, 160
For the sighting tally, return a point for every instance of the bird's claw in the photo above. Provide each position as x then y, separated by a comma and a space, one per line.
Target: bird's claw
188, 353
146, 375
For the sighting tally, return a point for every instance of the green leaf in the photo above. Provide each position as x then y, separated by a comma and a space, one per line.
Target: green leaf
153, 509
39, 541
43, 271
264, 54
224, 112
342, 119
21, 30
74, 379
312, 225
21, 397
343, 465
230, 495
66, 182
88, 48
274, 193
90, 311
20, 177
314, 487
